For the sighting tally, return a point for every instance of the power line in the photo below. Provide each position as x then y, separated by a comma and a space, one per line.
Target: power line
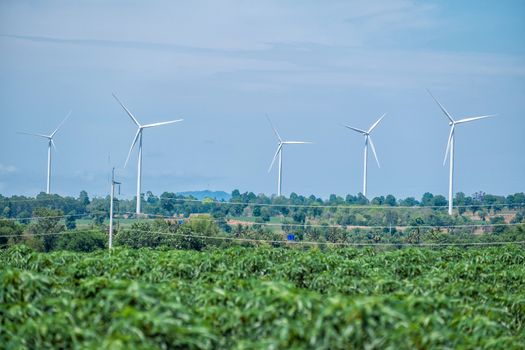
50, 233
51, 217
254, 240
332, 243
246, 223
350, 227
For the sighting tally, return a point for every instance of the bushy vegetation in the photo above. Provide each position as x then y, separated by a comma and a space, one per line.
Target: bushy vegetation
249, 298
351, 210
47, 233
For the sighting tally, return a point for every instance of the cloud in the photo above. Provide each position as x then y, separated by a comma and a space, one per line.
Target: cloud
120, 44
7, 169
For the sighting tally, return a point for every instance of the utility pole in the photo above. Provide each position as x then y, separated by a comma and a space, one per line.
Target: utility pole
113, 183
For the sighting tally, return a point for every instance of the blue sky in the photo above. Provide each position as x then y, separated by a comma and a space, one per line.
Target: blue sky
222, 65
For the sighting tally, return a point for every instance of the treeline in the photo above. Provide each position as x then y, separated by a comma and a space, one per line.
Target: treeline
48, 233
351, 210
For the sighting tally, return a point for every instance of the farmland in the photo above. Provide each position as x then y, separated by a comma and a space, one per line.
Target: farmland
264, 297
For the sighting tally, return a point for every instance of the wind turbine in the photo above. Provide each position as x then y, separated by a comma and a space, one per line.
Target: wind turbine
49, 144
138, 136
368, 139
279, 153
450, 145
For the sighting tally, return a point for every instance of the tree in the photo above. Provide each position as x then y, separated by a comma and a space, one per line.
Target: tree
483, 214
500, 221
82, 241
147, 234
151, 198
12, 230
236, 194
390, 200
83, 198
426, 200
299, 216
517, 200
24, 217
47, 227
71, 220
460, 202
378, 200
409, 202
361, 199
439, 201
414, 233
350, 199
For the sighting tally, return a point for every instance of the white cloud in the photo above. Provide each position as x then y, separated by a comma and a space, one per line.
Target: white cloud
7, 169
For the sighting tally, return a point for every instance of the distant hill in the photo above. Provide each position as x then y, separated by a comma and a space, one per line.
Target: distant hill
217, 195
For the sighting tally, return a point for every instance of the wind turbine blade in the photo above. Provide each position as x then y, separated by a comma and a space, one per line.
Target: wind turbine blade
296, 142
355, 129
275, 156
132, 145
274, 129
375, 124
442, 108
162, 123
466, 120
53, 144
28, 133
60, 125
127, 111
374, 151
448, 143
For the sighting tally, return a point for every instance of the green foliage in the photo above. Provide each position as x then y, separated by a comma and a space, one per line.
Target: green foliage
190, 235
351, 210
46, 228
71, 220
82, 241
260, 298
10, 232
498, 220
146, 234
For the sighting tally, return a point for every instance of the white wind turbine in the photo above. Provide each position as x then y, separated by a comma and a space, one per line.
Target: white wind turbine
49, 144
450, 146
138, 136
368, 139
279, 153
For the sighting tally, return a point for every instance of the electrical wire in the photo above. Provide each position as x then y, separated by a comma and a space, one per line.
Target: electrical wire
253, 240
52, 217
49, 233
246, 223
331, 243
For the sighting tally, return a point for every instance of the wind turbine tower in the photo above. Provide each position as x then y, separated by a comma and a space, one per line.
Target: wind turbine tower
112, 196
50, 143
368, 140
138, 137
279, 152
450, 146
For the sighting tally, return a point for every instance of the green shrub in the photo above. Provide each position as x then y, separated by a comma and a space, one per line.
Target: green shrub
82, 241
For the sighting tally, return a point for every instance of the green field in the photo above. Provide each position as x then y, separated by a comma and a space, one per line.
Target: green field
123, 223
273, 219
268, 298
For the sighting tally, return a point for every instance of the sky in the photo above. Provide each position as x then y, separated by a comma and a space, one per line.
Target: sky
223, 65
